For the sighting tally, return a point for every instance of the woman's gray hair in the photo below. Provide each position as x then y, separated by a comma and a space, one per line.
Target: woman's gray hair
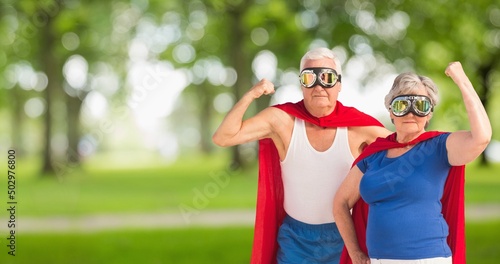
321, 53
409, 83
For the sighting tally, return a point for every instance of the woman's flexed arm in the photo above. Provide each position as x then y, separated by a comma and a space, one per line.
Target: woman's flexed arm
464, 146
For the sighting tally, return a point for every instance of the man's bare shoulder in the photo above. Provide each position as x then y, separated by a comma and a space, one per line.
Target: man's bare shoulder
369, 133
275, 115
360, 137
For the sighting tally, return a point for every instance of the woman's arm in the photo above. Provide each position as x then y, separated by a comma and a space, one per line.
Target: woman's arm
464, 146
345, 198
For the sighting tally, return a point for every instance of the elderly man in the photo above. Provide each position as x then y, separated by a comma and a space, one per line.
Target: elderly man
306, 149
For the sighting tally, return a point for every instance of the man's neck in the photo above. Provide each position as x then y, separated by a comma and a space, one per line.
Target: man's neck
320, 111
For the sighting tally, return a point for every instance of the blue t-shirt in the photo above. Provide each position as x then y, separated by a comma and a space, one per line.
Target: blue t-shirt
403, 194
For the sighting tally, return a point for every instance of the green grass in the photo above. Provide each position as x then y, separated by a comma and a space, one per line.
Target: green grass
180, 246
159, 188
104, 186
482, 184
194, 245
483, 242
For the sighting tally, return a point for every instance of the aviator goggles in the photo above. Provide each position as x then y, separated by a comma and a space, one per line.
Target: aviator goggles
419, 105
325, 77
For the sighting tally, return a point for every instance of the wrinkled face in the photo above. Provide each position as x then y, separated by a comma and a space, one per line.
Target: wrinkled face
412, 112
323, 82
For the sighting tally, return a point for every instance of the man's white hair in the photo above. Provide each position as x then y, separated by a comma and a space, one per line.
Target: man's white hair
321, 53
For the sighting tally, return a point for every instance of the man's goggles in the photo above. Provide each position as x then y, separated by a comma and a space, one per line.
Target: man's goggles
325, 77
420, 105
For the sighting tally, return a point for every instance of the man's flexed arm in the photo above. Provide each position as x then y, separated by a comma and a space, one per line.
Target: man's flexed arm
233, 130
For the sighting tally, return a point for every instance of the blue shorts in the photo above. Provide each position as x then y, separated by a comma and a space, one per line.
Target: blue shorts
305, 243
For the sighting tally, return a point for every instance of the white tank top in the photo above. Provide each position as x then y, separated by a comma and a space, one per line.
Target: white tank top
311, 178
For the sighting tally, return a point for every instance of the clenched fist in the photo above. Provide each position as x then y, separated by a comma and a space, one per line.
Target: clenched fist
262, 87
456, 72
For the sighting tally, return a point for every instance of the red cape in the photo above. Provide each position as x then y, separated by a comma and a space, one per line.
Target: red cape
270, 212
452, 201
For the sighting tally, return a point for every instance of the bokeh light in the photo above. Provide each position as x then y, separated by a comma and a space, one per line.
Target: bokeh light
34, 107
264, 65
75, 71
70, 41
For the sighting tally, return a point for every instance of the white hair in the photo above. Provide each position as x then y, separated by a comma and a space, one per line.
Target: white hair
321, 53
408, 83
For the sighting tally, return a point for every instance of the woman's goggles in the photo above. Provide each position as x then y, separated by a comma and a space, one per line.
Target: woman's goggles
420, 105
325, 77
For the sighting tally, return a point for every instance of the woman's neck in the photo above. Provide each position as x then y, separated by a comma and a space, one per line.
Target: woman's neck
405, 138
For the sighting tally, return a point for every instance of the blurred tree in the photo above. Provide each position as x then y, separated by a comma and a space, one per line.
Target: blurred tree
218, 43
427, 36
85, 33
14, 55
225, 48
35, 25
50, 35
408, 34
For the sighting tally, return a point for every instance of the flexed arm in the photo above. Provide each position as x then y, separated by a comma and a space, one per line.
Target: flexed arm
464, 146
233, 130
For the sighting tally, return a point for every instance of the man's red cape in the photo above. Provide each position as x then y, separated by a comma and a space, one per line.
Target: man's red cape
270, 212
452, 201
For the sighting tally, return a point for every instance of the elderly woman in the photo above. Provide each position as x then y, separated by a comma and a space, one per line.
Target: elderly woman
409, 180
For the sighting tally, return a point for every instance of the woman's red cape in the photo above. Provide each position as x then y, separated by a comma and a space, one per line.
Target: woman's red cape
452, 201
269, 211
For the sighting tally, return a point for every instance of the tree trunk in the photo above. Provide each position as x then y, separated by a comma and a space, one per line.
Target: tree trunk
73, 106
51, 65
17, 120
205, 114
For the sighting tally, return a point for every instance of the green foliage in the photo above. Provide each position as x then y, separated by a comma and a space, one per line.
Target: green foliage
421, 36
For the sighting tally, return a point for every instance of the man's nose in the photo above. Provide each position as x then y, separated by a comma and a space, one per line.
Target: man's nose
318, 87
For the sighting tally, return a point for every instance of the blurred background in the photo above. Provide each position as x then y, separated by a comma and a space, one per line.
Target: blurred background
110, 106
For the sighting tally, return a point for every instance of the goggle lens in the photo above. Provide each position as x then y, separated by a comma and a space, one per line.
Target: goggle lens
400, 106
308, 79
422, 105
325, 77
329, 78
419, 105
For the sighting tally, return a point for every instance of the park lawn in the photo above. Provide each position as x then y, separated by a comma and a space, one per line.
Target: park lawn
192, 245
99, 188
483, 242
482, 184
179, 246
201, 183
